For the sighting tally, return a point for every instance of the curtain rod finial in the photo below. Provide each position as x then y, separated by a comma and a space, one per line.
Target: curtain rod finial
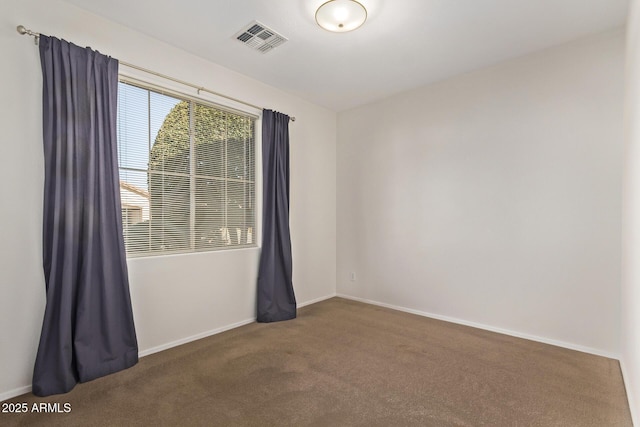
22, 30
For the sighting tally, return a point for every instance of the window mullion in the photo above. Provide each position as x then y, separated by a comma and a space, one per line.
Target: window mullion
225, 155
244, 186
192, 176
149, 146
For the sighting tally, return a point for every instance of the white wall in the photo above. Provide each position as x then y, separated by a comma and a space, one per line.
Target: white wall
493, 198
630, 354
174, 297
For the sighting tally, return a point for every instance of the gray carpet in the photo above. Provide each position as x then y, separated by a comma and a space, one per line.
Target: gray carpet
343, 363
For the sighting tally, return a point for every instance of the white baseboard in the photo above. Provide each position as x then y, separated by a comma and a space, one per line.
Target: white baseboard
556, 343
634, 404
216, 331
147, 352
27, 389
195, 337
15, 392
313, 301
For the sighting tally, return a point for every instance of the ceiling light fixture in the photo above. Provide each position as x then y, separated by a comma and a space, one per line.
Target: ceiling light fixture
341, 16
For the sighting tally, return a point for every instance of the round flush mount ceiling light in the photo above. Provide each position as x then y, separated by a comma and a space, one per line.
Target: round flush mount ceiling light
341, 16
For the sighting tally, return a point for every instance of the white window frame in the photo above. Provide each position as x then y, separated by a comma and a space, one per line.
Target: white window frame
174, 89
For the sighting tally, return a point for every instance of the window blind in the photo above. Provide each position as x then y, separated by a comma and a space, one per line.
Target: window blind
187, 174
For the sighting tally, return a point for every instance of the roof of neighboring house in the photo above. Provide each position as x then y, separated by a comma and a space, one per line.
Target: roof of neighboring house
134, 189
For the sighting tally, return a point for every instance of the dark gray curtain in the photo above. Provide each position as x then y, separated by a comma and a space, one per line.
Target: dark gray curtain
276, 300
88, 329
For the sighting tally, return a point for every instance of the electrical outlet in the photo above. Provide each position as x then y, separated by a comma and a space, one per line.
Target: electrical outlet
353, 276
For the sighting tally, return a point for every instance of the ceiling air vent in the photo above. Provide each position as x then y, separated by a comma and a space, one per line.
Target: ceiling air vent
259, 37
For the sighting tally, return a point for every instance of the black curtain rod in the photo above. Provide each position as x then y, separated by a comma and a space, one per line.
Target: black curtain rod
24, 31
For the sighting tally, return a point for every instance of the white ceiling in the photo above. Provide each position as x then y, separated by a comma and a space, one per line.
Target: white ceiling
404, 43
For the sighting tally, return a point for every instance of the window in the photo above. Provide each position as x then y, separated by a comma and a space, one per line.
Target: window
187, 174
